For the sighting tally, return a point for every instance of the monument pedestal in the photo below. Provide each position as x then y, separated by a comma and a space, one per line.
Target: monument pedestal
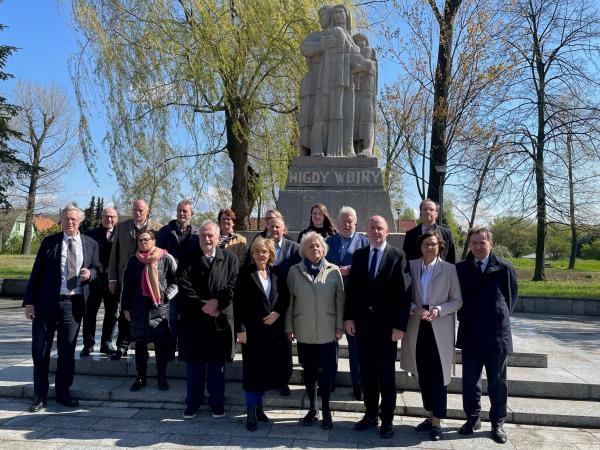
347, 181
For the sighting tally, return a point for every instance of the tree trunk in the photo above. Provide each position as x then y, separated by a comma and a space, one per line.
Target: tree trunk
31, 193
443, 78
572, 224
237, 125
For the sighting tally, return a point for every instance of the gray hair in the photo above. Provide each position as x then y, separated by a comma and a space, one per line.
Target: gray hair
347, 210
72, 207
210, 223
304, 242
483, 230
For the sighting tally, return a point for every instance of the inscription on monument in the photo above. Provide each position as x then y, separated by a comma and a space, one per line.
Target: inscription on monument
334, 177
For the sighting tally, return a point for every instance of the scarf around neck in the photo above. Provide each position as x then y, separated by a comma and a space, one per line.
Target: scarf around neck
149, 282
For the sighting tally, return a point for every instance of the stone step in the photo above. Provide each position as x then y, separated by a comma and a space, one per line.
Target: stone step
547, 412
556, 383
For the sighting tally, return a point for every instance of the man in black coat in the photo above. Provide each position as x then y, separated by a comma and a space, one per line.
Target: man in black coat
489, 292
429, 211
55, 300
377, 310
99, 291
179, 236
206, 279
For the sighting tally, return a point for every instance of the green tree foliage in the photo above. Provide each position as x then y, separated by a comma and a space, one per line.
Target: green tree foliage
92, 215
187, 80
515, 234
558, 242
11, 167
591, 250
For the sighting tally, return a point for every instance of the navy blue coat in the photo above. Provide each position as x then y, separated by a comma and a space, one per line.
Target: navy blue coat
334, 255
168, 237
288, 256
43, 288
488, 301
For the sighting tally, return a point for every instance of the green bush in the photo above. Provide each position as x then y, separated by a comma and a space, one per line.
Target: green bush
591, 250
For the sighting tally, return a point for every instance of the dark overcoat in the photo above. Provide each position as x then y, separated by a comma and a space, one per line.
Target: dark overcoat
488, 301
149, 322
265, 353
202, 337
411, 246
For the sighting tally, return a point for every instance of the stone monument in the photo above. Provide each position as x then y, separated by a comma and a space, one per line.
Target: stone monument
337, 127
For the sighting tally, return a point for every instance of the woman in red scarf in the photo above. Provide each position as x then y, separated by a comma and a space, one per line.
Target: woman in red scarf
149, 282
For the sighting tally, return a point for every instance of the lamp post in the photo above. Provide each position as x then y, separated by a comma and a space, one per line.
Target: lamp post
398, 211
441, 169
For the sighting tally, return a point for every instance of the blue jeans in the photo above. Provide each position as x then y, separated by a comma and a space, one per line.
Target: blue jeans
253, 399
205, 374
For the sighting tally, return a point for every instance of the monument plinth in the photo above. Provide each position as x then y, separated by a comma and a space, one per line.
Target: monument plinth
343, 181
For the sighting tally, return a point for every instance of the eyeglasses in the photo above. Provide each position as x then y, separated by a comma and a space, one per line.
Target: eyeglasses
143, 240
429, 245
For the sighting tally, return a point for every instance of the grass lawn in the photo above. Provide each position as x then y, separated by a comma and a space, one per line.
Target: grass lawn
581, 265
16, 266
566, 289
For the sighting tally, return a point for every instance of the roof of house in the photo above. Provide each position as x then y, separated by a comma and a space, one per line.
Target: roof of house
42, 223
406, 224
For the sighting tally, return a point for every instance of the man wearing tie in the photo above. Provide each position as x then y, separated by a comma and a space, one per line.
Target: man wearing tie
489, 292
55, 300
103, 235
341, 251
377, 310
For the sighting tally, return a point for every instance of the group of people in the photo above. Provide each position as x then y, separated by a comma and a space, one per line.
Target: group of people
199, 290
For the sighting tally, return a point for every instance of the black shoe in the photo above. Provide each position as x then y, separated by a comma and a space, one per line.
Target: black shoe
435, 433
85, 351
469, 426
366, 422
190, 413
357, 392
38, 404
310, 418
424, 426
67, 400
285, 391
118, 354
107, 348
260, 414
387, 429
138, 384
218, 412
251, 424
327, 421
499, 435
163, 385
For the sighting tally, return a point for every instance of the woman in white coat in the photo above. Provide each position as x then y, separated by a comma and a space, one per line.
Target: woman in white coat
428, 344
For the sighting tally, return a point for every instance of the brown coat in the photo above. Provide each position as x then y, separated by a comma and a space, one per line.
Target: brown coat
445, 293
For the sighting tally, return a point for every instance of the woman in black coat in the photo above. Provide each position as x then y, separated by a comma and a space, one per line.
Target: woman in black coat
149, 282
260, 302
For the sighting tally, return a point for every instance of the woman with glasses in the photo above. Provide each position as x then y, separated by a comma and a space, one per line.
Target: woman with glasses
428, 344
149, 283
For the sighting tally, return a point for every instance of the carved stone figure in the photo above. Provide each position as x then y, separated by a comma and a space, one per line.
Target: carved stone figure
313, 52
365, 102
332, 129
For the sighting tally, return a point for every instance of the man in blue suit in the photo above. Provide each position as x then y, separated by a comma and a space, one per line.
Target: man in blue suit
341, 250
55, 300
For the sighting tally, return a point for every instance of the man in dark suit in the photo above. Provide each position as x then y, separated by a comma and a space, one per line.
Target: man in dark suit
179, 236
429, 211
55, 300
489, 291
99, 292
377, 310
124, 246
206, 279
341, 251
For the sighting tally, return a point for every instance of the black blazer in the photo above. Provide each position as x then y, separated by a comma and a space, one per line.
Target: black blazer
43, 288
488, 301
388, 296
288, 256
104, 246
412, 250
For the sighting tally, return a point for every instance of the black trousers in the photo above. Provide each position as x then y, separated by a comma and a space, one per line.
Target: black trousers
377, 364
124, 330
162, 352
495, 370
319, 362
429, 368
99, 292
64, 321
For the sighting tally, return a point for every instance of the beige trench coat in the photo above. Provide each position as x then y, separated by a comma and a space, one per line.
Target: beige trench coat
445, 293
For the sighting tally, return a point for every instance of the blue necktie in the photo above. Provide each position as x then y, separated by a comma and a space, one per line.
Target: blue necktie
373, 266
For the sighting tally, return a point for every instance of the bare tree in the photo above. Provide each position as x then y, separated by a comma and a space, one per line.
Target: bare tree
46, 130
553, 45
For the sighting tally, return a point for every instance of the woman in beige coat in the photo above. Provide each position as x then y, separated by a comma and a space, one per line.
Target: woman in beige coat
428, 344
315, 318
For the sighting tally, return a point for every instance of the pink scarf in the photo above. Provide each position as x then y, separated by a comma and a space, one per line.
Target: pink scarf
150, 285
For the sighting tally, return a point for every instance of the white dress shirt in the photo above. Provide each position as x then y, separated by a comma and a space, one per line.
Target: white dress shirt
426, 276
484, 262
63, 263
380, 251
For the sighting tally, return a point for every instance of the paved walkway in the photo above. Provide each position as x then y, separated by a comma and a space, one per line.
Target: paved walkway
571, 341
